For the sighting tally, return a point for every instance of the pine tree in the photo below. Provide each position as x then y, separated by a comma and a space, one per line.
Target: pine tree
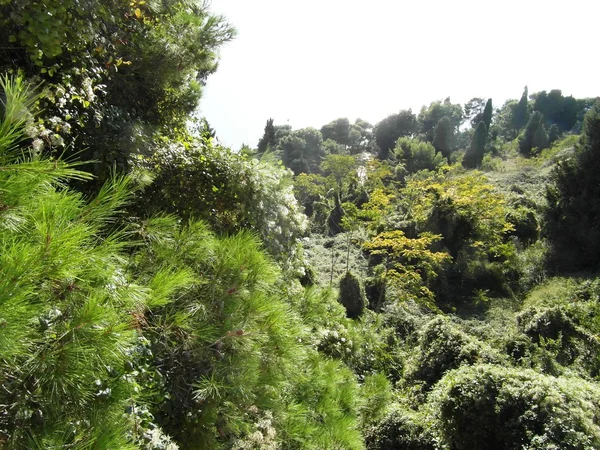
474, 154
65, 307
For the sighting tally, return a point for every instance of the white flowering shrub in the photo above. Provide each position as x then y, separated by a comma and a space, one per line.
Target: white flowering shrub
228, 190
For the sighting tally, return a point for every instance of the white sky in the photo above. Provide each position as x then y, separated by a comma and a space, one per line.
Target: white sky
309, 62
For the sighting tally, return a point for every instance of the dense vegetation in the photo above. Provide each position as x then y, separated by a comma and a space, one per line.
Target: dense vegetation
427, 282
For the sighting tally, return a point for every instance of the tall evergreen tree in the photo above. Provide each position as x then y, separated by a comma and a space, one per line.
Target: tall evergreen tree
534, 135
487, 114
443, 139
520, 113
476, 150
268, 139
573, 214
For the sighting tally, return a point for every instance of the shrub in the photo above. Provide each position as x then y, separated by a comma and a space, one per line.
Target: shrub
499, 408
401, 430
441, 348
352, 295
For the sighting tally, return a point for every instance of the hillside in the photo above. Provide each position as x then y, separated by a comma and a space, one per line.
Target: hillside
426, 282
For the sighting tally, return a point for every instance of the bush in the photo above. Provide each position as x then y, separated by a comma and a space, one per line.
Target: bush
498, 408
352, 295
401, 430
441, 348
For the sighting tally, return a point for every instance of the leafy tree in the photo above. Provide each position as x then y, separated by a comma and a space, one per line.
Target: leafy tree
268, 139
487, 114
302, 150
415, 155
239, 192
430, 116
473, 110
409, 265
573, 209
366, 143
556, 109
391, 128
117, 75
338, 131
342, 169
443, 138
534, 135
474, 154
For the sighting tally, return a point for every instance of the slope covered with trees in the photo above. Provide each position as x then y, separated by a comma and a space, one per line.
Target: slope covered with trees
428, 281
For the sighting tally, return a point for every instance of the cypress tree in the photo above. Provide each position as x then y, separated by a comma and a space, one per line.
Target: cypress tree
487, 114
534, 135
268, 139
476, 150
443, 138
519, 116
352, 295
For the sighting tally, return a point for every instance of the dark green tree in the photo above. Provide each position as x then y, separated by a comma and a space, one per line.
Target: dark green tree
520, 112
553, 133
268, 139
487, 114
443, 139
534, 135
338, 130
473, 111
391, 128
474, 154
573, 214
352, 295
429, 116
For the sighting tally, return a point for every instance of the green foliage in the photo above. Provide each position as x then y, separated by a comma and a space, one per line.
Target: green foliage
228, 190
474, 154
556, 109
409, 264
534, 136
430, 116
65, 305
573, 209
443, 138
302, 150
352, 295
268, 141
415, 155
117, 75
441, 348
493, 407
403, 429
471, 219
487, 114
520, 112
391, 128
473, 111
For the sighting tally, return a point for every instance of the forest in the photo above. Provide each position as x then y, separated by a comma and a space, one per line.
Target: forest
426, 282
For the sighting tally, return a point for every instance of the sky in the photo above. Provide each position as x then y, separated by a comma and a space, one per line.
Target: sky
306, 63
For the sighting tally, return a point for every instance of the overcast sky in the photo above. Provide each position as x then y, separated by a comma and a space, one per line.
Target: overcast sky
309, 62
